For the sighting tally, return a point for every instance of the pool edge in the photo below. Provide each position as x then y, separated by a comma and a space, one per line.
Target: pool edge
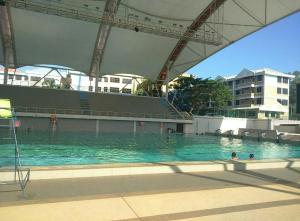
65, 172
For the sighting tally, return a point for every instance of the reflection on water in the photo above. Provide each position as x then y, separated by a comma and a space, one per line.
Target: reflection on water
71, 148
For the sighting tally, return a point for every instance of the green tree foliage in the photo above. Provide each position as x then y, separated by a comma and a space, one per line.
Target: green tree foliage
293, 95
50, 84
200, 96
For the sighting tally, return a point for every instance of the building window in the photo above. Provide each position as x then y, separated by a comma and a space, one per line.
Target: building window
10, 76
259, 78
284, 102
33, 78
126, 91
237, 92
90, 88
258, 101
99, 89
278, 90
285, 80
237, 82
230, 83
105, 79
126, 81
251, 114
237, 102
285, 91
25, 78
114, 80
114, 89
19, 77
229, 103
105, 89
259, 90
279, 79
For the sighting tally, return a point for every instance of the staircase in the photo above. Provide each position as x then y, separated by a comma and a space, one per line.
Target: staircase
173, 112
84, 103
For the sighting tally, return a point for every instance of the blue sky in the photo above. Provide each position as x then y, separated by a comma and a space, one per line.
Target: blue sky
277, 46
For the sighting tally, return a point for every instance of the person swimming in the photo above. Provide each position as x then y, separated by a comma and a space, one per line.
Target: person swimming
234, 156
251, 156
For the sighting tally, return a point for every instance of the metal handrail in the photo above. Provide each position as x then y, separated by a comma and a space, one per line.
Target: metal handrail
96, 112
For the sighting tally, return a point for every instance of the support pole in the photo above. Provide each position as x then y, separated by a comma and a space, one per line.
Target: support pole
5, 75
97, 127
167, 81
96, 83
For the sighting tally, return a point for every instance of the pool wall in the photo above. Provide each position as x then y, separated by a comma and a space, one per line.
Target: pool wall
209, 124
95, 124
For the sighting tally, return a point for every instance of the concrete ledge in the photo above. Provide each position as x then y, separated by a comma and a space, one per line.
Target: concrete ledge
63, 172
94, 117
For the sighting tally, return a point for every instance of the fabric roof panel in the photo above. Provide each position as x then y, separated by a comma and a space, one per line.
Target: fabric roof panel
53, 40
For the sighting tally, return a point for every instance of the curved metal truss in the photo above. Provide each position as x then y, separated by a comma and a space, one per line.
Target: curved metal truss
127, 18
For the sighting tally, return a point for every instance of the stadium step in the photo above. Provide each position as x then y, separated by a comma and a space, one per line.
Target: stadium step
85, 105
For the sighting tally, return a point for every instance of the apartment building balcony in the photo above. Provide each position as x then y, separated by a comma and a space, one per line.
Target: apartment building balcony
249, 95
247, 105
249, 84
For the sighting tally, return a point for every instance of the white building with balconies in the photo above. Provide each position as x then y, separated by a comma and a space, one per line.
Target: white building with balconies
262, 93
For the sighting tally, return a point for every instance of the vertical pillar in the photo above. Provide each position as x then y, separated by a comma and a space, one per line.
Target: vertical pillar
97, 127
96, 83
5, 75
134, 127
79, 83
161, 127
167, 80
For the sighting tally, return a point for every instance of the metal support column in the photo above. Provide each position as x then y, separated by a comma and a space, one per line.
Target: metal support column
96, 83
8, 44
5, 74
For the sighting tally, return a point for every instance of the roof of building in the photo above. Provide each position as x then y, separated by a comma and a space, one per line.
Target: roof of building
246, 73
130, 36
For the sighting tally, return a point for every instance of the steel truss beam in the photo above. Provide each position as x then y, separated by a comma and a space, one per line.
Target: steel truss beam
111, 8
182, 43
134, 24
6, 33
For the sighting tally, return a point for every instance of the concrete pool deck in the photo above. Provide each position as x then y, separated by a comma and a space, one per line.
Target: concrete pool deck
80, 171
265, 194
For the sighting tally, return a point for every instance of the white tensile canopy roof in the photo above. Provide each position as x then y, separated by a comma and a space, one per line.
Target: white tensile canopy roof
130, 36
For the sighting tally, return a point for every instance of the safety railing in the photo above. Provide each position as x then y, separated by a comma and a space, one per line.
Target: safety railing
100, 113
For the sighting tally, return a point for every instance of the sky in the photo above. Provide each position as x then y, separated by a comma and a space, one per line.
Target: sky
276, 46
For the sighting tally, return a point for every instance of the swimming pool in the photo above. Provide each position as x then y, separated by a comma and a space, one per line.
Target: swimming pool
42, 149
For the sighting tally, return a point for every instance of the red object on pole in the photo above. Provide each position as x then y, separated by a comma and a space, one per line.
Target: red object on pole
17, 123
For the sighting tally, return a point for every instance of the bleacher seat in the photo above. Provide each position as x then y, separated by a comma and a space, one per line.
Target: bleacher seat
99, 103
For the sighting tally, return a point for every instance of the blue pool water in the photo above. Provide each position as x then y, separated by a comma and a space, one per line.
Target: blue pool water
75, 149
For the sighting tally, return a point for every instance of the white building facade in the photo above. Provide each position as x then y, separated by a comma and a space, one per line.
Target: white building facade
119, 83
261, 94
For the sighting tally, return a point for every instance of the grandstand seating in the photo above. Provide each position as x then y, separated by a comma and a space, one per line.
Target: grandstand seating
94, 103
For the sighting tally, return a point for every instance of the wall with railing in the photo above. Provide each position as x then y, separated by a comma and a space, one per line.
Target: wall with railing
40, 100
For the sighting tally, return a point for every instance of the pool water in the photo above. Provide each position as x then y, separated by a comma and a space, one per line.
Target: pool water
43, 149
